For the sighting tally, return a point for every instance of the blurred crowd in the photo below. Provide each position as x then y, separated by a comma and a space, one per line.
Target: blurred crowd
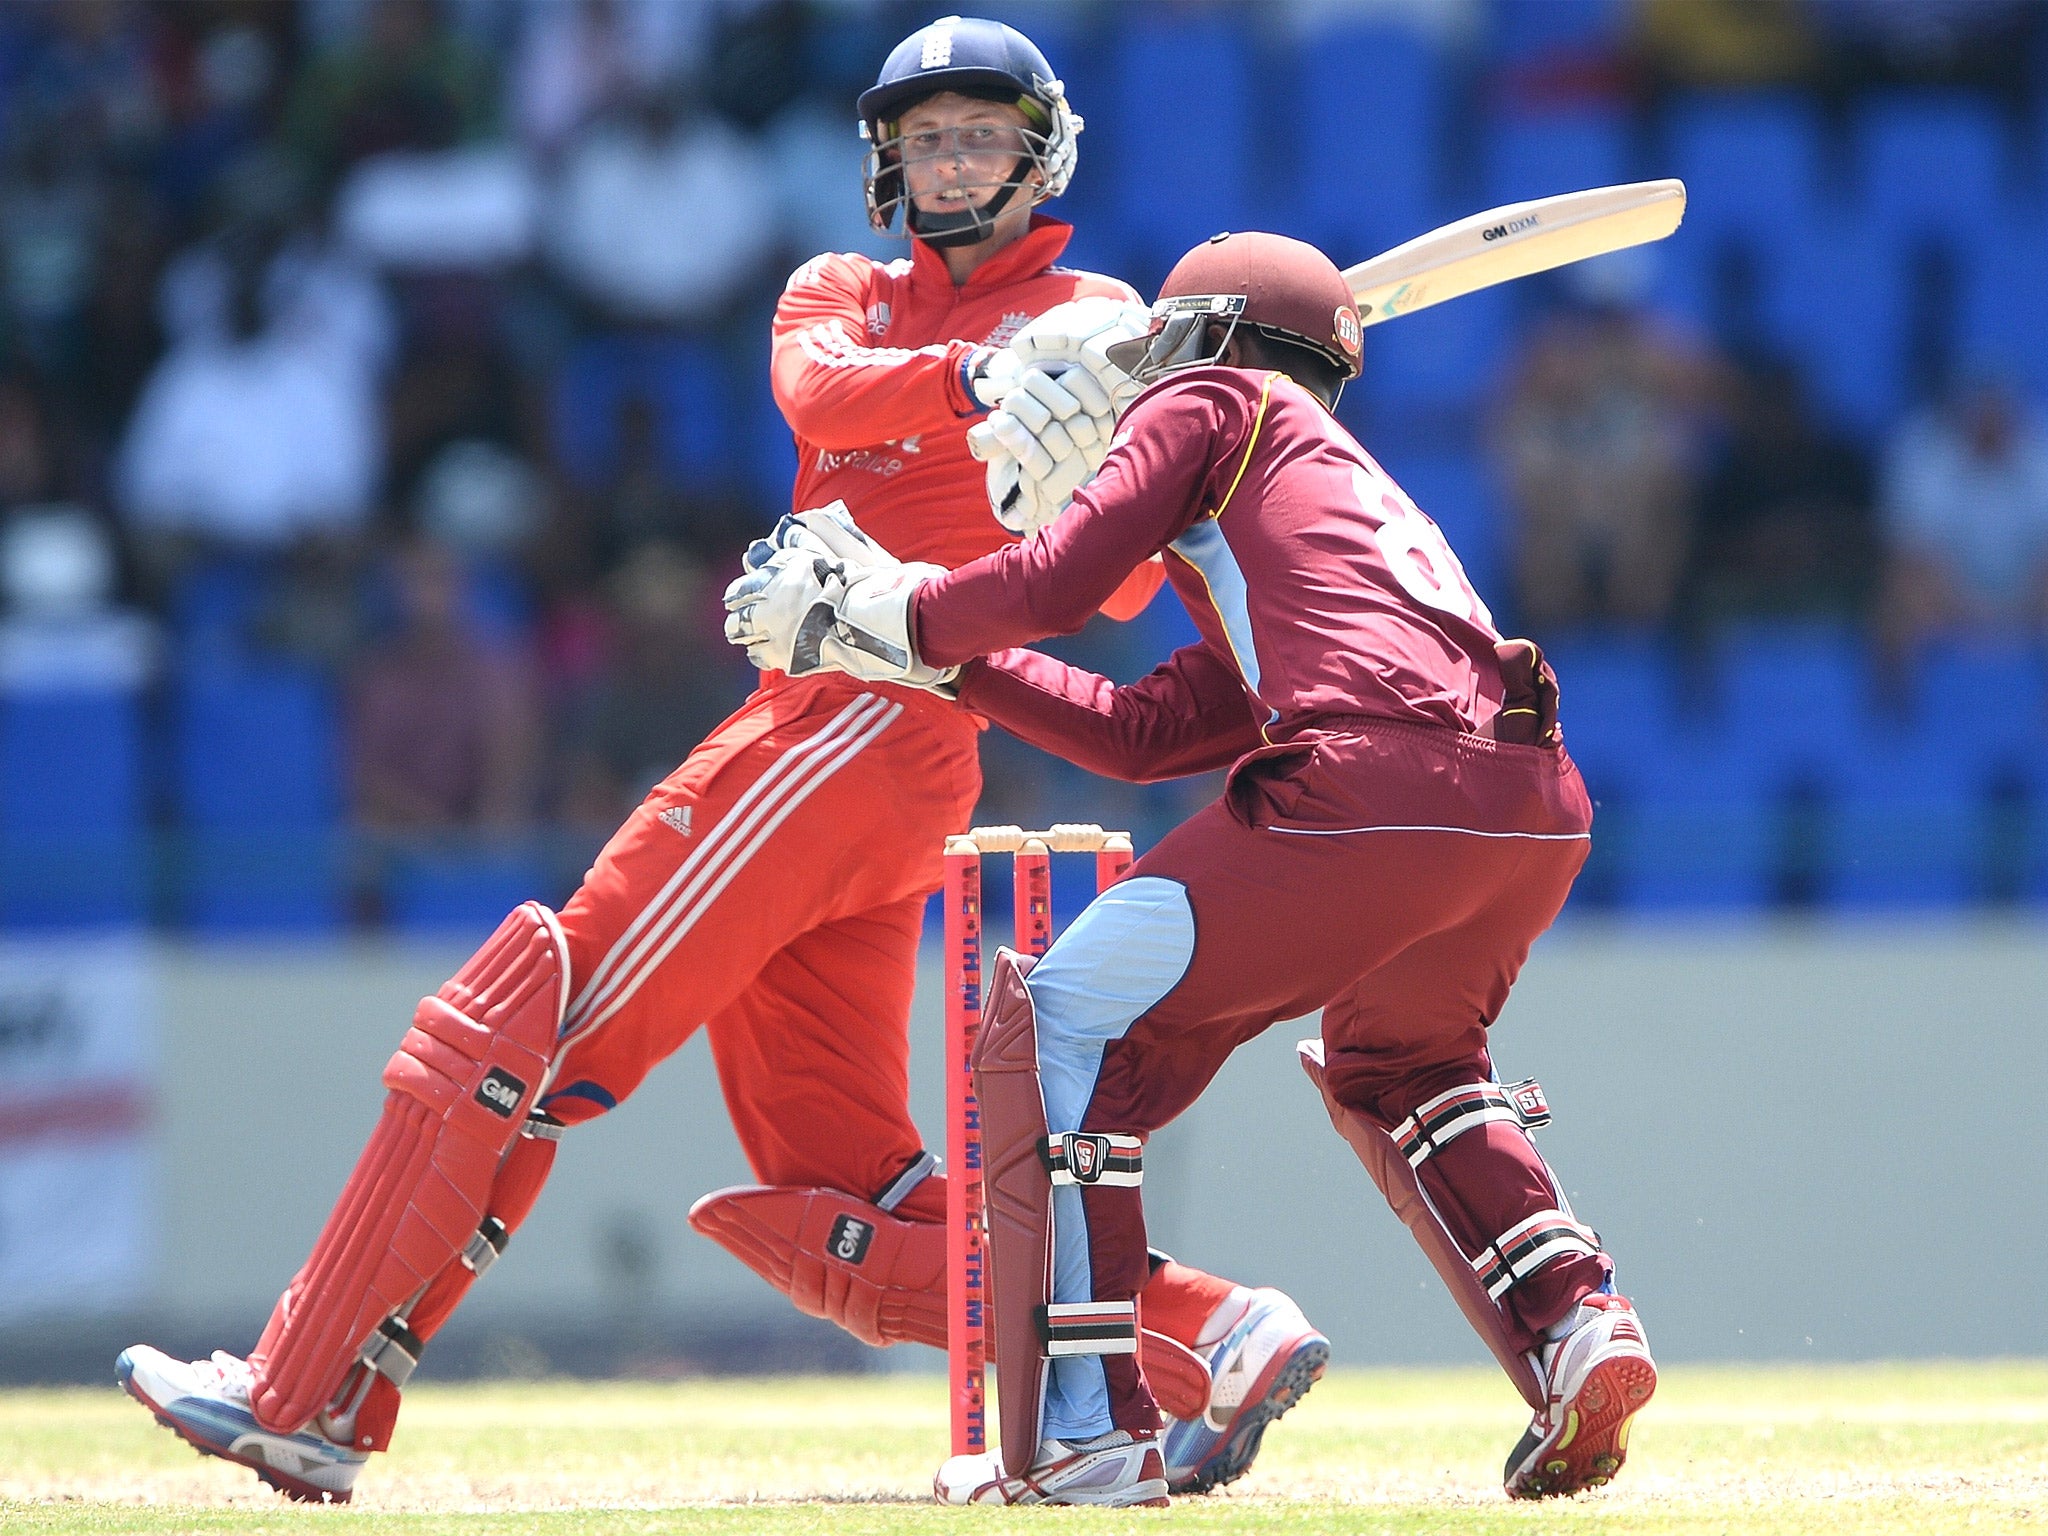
423, 346
1658, 481
423, 343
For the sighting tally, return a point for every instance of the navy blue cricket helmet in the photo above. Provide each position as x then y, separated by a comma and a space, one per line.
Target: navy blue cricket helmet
971, 57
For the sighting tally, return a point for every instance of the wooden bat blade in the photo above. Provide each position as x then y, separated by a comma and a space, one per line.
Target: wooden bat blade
1513, 241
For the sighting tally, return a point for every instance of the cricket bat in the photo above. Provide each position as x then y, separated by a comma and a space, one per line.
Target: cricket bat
1514, 240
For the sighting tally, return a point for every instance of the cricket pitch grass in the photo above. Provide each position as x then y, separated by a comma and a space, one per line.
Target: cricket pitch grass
1922, 1449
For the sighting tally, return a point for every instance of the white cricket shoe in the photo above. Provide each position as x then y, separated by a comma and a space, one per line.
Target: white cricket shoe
1261, 1368
206, 1402
1118, 1469
1600, 1375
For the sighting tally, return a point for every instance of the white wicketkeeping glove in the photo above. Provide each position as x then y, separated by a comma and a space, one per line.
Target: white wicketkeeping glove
1057, 415
847, 609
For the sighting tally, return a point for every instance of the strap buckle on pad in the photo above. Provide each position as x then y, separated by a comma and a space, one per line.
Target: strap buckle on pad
1094, 1157
1529, 1245
393, 1351
484, 1245
1089, 1327
921, 1168
1443, 1119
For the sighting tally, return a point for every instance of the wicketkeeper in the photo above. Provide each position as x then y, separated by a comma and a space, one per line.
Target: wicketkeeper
773, 888
1400, 823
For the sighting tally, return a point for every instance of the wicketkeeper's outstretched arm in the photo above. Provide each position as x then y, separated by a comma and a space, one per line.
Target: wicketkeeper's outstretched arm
1189, 715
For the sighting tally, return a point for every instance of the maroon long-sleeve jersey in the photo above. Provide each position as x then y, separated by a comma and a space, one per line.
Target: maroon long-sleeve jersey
1317, 586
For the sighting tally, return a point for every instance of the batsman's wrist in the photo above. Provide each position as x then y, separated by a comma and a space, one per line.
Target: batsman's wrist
986, 376
970, 367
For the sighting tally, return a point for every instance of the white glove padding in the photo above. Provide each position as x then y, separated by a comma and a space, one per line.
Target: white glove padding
1058, 412
828, 534
1051, 434
1052, 414
770, 599
992, 374
802, 612
833, 528
1070, 332
1079, 333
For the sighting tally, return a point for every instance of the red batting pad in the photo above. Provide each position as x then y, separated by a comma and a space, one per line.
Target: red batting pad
461, 1083
881, 1278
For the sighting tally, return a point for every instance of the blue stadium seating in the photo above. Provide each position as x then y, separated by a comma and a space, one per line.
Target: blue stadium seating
1910, 827
1792, 699
215, 603
1368, 120
683, 380
1751, 166
1182, 125
1681, 819
1849, 327
1563, 151
1933, 170
1617, 702
1930, 792
255, 777
2002, 322
770, 450
1930, 162
471, 888
1532, 29
1451, 357
74, 838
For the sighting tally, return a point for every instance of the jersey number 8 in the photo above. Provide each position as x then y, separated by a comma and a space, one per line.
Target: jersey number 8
1415, 551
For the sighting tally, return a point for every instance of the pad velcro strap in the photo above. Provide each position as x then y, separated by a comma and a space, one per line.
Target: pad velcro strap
1089, 1327
1529, 1245
542, 1126
393, 1351
484, 1245
1093, 1157
900, 1187
1449, 1115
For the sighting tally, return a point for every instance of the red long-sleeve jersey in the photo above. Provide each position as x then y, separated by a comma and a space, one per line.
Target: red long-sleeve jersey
868, 368
1319, 589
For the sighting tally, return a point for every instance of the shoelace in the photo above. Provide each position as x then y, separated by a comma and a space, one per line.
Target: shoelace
231, 1373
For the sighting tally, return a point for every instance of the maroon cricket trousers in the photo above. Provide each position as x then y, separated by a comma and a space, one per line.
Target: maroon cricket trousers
1393, 875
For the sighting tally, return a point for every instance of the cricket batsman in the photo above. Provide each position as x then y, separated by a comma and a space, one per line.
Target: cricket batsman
1399, 824
772, 889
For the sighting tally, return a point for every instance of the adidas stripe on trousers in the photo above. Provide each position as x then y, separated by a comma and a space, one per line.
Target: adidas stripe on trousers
772, 890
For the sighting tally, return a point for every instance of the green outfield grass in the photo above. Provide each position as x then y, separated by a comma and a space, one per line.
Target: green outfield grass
1922, 1448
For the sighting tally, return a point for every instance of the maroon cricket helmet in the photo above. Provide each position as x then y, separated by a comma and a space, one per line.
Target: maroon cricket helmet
1283, 288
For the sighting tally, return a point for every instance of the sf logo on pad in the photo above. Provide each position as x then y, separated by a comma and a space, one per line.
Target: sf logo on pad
500, 1093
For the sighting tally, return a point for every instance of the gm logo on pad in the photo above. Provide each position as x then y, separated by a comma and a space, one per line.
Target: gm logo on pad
849, 1239
500, 1093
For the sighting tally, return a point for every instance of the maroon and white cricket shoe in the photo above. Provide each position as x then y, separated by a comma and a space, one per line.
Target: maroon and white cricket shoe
1600, 1376
1116, 1470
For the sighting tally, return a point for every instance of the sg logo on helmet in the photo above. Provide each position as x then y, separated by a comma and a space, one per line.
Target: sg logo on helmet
1348, 335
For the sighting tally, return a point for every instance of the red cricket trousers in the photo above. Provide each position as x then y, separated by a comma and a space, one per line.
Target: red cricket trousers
772, 890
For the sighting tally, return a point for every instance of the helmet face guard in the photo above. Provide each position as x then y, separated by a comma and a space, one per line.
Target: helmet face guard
986, 60
1286, 291
1180, 327
1047, 147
